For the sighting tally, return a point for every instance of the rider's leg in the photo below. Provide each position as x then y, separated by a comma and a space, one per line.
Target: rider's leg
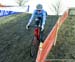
42, 36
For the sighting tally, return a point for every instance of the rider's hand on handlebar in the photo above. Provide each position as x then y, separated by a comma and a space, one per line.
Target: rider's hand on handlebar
42, 28
27, 27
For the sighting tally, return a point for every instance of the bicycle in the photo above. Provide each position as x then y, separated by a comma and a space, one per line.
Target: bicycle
35, 41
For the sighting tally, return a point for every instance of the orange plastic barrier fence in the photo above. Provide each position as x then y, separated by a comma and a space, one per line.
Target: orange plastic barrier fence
48, 43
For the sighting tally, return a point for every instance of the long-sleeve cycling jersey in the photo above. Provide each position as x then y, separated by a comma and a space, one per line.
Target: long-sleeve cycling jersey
36, 14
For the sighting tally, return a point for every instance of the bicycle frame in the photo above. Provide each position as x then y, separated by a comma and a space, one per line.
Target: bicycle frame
37, 33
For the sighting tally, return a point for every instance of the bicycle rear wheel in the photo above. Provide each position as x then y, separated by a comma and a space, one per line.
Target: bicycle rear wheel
34, 48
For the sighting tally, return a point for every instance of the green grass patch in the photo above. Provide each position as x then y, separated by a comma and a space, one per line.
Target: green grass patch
65, 46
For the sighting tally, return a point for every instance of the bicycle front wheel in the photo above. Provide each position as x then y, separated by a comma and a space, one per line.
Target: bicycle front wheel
34, 48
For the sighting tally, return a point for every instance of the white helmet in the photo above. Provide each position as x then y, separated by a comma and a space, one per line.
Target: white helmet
39, 7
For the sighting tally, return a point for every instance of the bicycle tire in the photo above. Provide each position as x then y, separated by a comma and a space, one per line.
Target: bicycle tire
34, 48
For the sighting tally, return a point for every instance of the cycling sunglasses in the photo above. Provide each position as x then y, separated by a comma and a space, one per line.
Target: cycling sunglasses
39, 10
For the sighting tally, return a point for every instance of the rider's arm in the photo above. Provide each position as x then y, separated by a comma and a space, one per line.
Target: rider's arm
30, 20
44, 18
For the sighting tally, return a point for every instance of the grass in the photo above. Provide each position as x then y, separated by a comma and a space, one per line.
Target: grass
65, 47
15, 40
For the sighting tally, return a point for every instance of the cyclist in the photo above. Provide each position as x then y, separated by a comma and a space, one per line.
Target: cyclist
39, 13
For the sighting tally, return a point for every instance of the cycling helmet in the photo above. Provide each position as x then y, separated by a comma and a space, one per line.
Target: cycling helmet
39, 7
